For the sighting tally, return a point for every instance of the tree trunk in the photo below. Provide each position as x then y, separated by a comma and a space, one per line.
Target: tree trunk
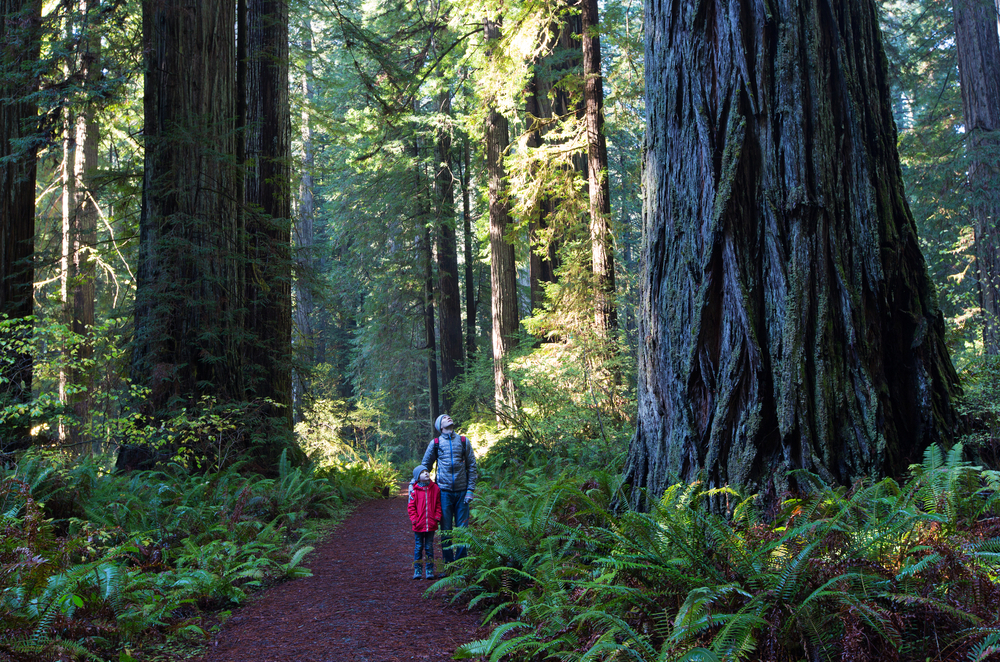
450, 302
19, 45
470, 241
788, 320
85, 232
979, 68
267, 210
188, 335
503, 273
430, 343
541, 256
602, 252
67, 176
304, 228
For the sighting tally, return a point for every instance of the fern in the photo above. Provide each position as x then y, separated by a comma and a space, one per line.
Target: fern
483, 647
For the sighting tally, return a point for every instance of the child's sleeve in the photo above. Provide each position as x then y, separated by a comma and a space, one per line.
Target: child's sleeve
411, 510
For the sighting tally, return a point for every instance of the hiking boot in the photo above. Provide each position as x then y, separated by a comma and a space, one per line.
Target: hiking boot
429, 571
416, 571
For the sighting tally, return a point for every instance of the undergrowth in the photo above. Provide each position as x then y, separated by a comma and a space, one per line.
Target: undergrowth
882, 571
96, 565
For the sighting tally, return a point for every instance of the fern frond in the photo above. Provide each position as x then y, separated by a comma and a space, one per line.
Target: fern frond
483, 647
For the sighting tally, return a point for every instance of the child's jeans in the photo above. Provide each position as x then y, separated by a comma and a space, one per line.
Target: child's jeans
423, 542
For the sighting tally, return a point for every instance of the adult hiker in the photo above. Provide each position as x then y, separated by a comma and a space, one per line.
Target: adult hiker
456, 476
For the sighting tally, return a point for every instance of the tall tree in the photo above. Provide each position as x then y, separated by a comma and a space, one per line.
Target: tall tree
267, 197
503, 274
788, 320
19, 50
979, 68
305, 226
85, 218
469, 241
450, 302
79, 214
187, 322
602, 251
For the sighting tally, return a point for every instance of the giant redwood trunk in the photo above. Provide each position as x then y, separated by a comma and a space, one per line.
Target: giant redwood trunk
979, 66
19, 23
788, 321
188, 330
267, 194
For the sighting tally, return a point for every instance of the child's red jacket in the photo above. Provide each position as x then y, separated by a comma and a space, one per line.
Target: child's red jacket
425, 507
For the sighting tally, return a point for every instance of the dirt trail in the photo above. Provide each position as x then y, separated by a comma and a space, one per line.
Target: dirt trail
360, 605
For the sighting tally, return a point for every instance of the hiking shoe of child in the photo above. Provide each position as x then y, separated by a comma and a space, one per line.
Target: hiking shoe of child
416, 572
429, 571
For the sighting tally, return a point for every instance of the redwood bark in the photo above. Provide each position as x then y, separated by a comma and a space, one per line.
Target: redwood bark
503, 274
189, 290
449, 302
979, 68
788, 320
267, 195
602, 251
19, 48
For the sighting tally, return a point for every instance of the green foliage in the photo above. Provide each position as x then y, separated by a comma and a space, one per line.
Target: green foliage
140, 557
882, 571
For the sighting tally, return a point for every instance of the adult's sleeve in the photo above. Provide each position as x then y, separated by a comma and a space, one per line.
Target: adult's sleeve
473, 470
430, 456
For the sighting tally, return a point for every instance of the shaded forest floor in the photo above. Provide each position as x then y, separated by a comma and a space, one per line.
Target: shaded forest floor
360, 605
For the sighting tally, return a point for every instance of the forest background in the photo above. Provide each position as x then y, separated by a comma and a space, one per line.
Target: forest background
273, 258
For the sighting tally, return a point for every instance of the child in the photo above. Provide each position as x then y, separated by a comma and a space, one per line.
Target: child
425, 513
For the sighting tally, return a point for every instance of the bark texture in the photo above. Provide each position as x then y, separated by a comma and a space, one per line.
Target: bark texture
267, 195
788, 320
979, 69
503, 273
188, 330
19, 22
602, 250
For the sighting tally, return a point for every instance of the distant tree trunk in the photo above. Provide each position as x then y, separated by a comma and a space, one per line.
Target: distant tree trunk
187, 323
788, 320
85, 233
68, 209
470, 241
503, 273
979, 68
602, 251
19, 46
541, 268
268, 212
304, 229
429, 337
447, 258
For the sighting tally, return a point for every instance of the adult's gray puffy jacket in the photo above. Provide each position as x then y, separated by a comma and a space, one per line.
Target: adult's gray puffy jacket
456, 462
